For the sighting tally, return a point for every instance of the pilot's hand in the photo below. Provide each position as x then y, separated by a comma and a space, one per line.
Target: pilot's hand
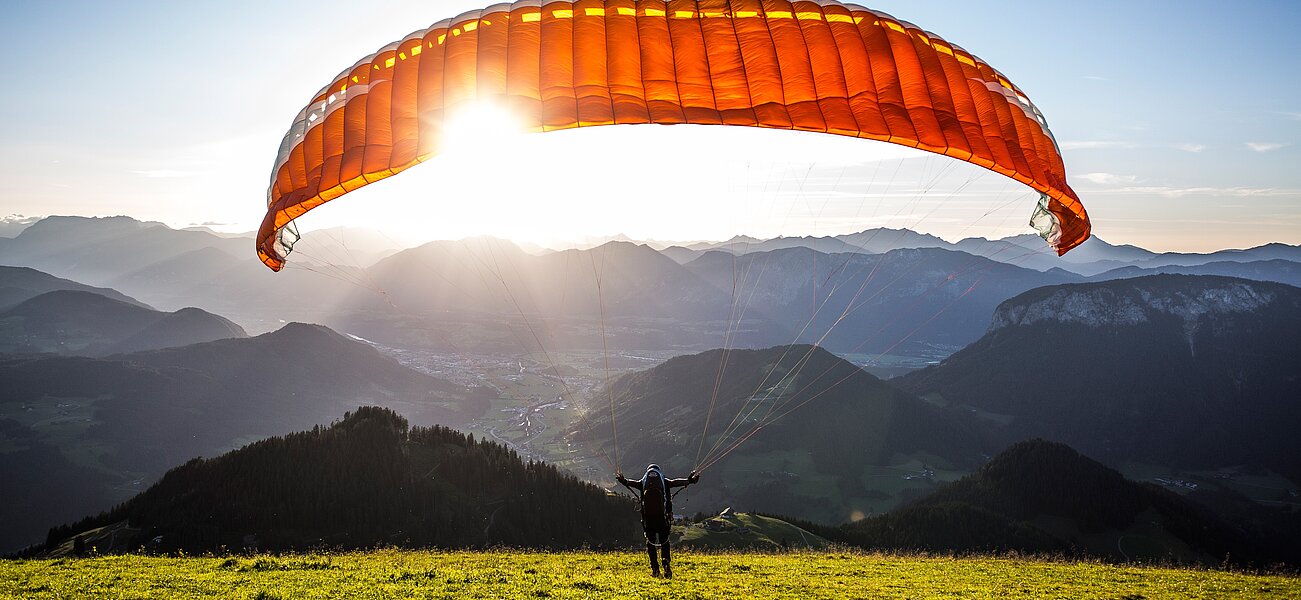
694, 477
619, 477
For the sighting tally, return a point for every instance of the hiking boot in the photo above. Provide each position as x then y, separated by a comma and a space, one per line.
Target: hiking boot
668, 573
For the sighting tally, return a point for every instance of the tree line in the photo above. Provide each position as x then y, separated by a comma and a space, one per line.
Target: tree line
368, 480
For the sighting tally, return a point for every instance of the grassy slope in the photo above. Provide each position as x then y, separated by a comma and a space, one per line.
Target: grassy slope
764, 533
400, 574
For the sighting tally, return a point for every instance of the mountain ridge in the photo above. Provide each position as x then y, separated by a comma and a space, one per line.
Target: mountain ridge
91, 324
18, 284
1180, 380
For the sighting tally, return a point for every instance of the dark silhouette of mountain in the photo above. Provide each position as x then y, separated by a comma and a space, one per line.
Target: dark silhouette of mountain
904, 300
1044, 497
839, 421
86, 323
1278, 270
365, 481
1187, 371
21, 283
144, 412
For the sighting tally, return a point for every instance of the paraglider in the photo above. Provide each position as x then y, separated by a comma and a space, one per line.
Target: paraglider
815, 66
653, 490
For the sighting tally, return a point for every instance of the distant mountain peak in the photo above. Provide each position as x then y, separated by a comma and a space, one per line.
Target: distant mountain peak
101, 224
61, 300
1135, 301
303, 330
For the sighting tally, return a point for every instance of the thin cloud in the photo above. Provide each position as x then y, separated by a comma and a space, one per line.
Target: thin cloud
1295, 116
1264, 146
1178, 192
163, 174
1194, 148
1107, 178
1096, 145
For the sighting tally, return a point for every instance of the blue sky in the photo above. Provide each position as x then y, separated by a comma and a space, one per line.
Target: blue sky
1180, 124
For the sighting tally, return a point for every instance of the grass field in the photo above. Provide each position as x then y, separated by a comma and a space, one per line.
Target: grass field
409, 574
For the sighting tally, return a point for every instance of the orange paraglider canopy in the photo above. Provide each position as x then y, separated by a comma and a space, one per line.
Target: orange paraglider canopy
815, 66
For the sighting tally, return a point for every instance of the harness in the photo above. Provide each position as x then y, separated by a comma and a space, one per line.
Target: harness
664, 491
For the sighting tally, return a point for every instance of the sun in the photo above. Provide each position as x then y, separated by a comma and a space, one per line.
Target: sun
479, 129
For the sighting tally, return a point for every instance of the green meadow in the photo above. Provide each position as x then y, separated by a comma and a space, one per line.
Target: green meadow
512, 574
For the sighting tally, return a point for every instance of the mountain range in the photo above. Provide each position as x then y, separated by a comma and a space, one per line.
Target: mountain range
90, 324
79, 432
648, 301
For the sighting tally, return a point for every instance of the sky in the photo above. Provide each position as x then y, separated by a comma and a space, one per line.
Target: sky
1180, 125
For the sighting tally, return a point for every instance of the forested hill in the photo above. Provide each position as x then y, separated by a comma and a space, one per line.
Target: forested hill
839, 422
366, 480
1040, 496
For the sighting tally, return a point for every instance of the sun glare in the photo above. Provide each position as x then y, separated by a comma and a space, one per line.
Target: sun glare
493, 177
479, 130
